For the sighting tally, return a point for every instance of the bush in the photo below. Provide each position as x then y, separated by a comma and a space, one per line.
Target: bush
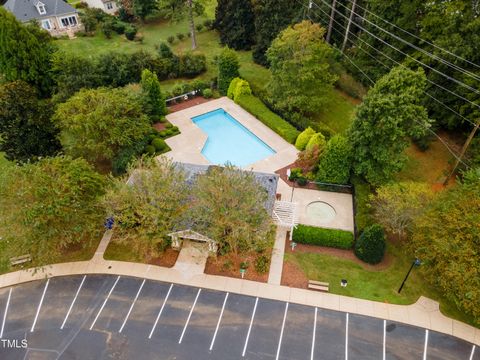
171, 39
228, 66
207, 93
192, 65
169, 132
324, 129
208, 24
258, 109
238, 87
336, 162
262, 264
163, 133
311, 235
119, 27
316, 140
199, 27
370, 246
130, 32
150, 149
180, 36
159, 144
81, 5
295, 173
232, 87
304, 138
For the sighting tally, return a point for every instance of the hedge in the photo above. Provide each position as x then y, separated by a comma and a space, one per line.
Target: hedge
258, 109
312, 235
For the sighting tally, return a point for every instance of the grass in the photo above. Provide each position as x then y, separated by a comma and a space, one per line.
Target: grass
121, 252
373, 285
339, 113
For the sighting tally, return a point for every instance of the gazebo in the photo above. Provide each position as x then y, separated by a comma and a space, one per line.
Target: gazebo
179, 236
284, 214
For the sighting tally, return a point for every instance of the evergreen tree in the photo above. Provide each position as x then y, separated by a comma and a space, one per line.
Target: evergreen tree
390, 114
228, 66
25, 52
26, 130
143, 8
234, 19
155, 100
271, 17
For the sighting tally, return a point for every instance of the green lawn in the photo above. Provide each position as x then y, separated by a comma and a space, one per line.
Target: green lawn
339, 113
373, 285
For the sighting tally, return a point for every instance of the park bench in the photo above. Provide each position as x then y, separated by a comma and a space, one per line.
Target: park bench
20, 259
318, 285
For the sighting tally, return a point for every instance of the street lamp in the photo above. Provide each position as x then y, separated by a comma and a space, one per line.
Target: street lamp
415, 262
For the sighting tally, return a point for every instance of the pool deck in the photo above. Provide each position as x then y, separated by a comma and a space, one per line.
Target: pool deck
187, 147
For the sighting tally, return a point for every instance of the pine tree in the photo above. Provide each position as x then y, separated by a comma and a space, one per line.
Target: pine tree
25, 52
271, 17
234, 19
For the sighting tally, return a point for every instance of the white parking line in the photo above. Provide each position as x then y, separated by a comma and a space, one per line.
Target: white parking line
103, 305
189, 315
281, 332
73, 302
5, 314
384, 339
346, 337
131, 307
250, 327
39, 306
425, 346
314, 334
160, 312
471, 355
218, 323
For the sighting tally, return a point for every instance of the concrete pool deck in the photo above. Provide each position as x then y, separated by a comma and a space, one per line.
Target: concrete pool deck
187, 147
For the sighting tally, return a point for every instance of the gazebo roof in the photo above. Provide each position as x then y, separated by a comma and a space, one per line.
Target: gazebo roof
285, 213
191, 235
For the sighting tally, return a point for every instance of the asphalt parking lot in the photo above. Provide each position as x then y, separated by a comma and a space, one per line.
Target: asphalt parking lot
112, 317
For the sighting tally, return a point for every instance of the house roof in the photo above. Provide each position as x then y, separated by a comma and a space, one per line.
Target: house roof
25, 10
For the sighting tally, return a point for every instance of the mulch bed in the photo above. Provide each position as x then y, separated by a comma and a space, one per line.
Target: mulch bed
293, 276
167, 259
215, 266
160, 126
187, 104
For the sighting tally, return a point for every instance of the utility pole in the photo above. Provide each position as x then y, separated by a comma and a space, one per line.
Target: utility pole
462, 153
352, 11
330, 25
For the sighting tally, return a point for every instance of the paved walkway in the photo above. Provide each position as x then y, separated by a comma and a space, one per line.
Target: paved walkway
424, 313
192, 258
276, 262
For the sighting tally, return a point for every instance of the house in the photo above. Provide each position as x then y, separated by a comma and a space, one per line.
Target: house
109, 6
55, 16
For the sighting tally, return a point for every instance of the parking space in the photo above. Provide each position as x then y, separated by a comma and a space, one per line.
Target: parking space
114, 317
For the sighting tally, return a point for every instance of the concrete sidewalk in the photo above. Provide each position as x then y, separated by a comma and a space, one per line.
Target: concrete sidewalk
424, 313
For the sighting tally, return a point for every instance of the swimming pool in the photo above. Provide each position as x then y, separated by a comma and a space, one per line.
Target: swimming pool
229, 141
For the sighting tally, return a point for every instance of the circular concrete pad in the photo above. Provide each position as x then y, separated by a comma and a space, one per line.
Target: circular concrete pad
320, 212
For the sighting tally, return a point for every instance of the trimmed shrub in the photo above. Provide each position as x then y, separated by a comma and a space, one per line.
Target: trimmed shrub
311, 235
316, 140
262, 264
163, 133
238, 87
304, 138
258, 109
336, 162
159, 144
171, 39
232, 87
370, 246
207, 93
180, 36
150, 149
228, 66
130, 32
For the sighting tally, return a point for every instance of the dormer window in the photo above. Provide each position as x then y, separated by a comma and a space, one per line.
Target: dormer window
41, 8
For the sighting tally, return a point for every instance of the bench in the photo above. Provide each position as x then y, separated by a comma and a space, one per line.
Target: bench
318, 285
20, 259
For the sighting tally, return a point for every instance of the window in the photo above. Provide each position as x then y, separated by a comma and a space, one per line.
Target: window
41, 8
68, 21
46, 24
109, 5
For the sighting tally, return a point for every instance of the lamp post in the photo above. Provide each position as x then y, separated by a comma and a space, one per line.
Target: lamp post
415, 262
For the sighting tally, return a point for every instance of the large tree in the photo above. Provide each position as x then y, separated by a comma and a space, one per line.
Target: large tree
228, 66
228, 205
390, 114
299, 58
48, 207
25, 52
447, 238
234, 20
271, 17
26, 130
97, 124
149, 206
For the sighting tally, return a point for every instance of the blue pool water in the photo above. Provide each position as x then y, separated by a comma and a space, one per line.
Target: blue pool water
229, 141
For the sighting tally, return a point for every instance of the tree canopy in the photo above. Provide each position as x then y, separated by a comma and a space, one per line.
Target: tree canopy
48, 206
300, 63
446, 237
26, 130
234, 20
97, 124
390, 114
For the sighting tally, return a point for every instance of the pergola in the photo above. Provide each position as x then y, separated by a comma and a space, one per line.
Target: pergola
284, 214
179, 236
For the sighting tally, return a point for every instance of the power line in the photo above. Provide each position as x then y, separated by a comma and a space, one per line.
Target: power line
411, 57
